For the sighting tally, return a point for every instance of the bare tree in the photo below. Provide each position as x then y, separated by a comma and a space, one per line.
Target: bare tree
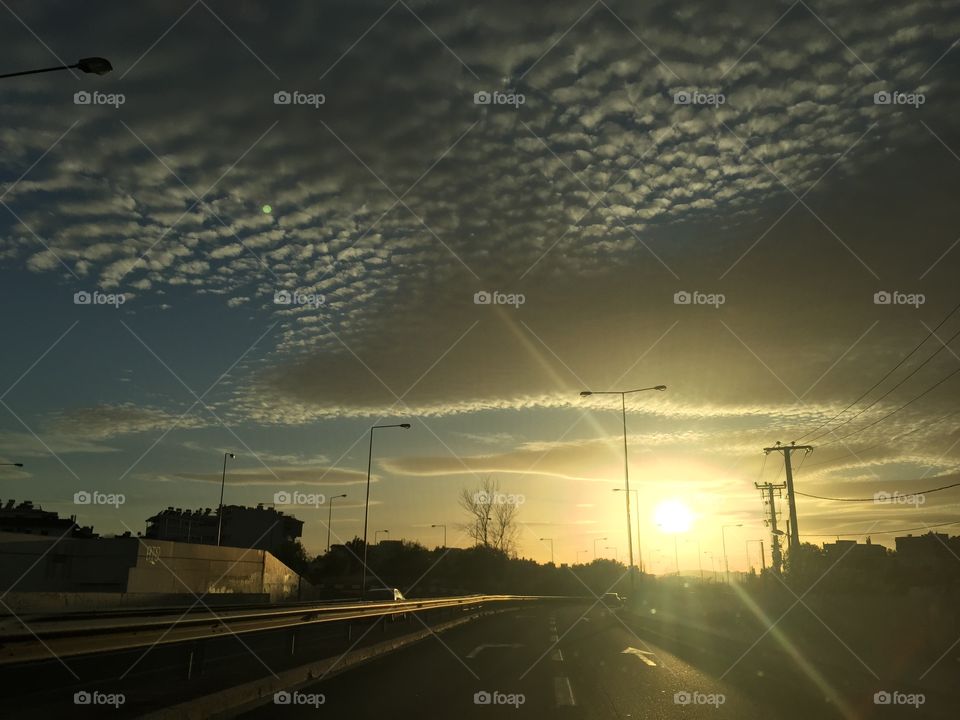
492, 516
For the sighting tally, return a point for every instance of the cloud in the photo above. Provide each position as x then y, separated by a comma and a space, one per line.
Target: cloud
598, 200
25, 445
275, 476
104, 421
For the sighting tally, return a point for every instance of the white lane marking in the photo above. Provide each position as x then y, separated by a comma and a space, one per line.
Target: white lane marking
562, 691
480, 648
642, 654
557, 655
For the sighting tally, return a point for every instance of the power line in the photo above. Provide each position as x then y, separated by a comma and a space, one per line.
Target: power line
888, 374
895, 411
886, 442
919, 492
883, 532
917, 369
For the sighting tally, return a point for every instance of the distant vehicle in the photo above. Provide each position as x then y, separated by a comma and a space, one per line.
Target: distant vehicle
385, 593
612, 600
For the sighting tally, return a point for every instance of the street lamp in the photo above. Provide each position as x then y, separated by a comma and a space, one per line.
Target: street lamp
366, 505
626, 463
223, 480
330, 517
376, 534
595, 541
444, 532
95, 65
723, 536
636, 498
578, 554
713, 566
550, 540
612, 547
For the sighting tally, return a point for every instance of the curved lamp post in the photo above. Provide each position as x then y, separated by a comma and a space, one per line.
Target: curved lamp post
330, 516
95, 65
366, 506
223, 481
626, 463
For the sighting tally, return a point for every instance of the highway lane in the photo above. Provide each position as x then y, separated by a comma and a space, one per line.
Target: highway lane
564, 662
543, 662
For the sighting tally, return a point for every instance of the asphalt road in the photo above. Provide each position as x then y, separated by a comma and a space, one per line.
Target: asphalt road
556, 662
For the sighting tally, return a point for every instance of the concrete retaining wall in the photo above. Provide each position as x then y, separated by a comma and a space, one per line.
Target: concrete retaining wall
135, 567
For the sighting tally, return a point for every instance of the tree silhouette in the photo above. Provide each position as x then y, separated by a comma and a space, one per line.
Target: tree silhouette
492, 515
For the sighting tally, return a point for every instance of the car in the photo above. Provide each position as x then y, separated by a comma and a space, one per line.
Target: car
612, 600
384, 593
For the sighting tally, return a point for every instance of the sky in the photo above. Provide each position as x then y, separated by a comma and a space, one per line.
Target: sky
587, 168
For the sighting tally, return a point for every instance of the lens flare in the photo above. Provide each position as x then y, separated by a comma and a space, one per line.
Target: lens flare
673, 516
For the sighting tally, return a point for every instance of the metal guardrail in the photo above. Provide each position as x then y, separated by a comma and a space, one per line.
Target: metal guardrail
42, 638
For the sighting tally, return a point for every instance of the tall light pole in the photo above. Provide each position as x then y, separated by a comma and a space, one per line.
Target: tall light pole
626, 461
223, 481
95, 65
550, 540
700, 559
723, 536
578, 554
439, 525
366, 505
763, 560
330, 516
612, 547
595, 541
376, 534
636, 499
713, 565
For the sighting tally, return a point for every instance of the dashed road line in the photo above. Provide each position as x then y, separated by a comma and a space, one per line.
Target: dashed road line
562, 691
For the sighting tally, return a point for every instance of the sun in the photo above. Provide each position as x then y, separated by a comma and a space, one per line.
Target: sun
673, 516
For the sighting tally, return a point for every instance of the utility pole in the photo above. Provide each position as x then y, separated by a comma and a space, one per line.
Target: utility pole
769, 500
787, 450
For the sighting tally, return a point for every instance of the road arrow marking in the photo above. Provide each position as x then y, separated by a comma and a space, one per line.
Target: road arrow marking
642, 654
480, 648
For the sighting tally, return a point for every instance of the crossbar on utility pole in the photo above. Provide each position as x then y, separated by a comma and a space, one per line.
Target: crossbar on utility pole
767, 489
787, 450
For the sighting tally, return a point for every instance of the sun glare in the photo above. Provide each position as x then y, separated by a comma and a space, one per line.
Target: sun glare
673, 516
